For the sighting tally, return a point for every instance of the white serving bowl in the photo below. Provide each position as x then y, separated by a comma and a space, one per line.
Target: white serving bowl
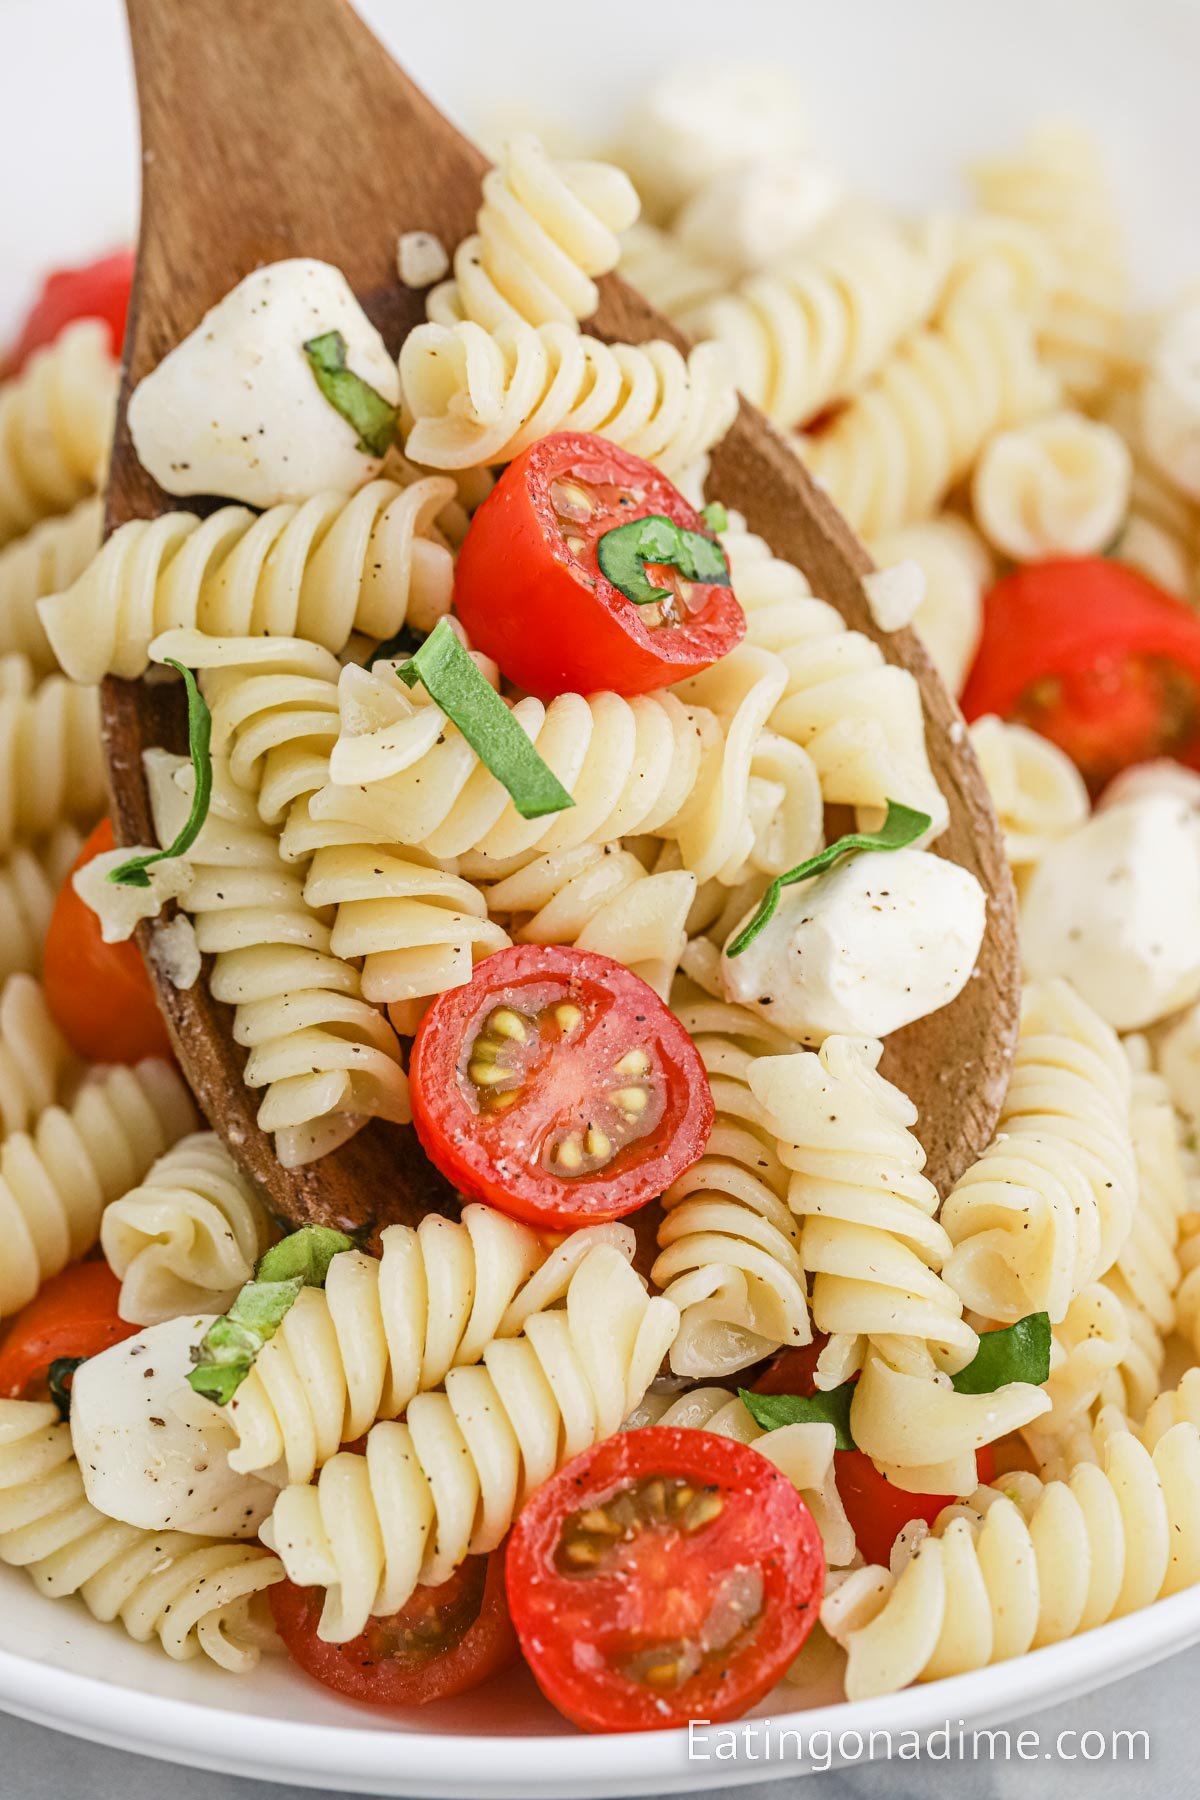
899, 96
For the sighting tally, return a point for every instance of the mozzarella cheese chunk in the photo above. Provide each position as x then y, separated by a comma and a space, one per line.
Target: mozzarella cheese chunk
235, 409
1113, 908
141, 1461
880, 940
697, 124
753, 217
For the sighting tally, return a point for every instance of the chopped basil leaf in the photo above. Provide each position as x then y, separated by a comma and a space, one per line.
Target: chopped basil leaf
715, 516
133, 873
58, 1378
372, 417
1019, 1353
902, 826
624, 552
226, 1353
453, 681
829, 1408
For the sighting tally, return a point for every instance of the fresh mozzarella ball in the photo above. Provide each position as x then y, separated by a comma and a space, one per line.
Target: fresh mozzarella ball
235, 409
756, 215
1170, 400
697, 123
1161, 777
140, 1460
1113, 908
882, 939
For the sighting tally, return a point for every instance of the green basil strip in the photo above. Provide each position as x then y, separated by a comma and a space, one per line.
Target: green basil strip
829, 1408
715, 516
58, 1377
1019, 1353
901, 827
133, 873
226, 1353
455, 683
624, 552
372, 417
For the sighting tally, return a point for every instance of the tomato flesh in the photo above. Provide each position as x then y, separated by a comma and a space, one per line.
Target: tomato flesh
662, 1576
74, 1315
529, 589
95, 290
444, 1640
100, 994
557, 1087
1094, 657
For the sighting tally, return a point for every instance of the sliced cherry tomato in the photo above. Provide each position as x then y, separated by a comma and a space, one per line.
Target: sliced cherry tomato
74, 1315
95, 290
529, 589
1094, 657
99, 993
877, 1510
557, 1086
444, 1641
663, 1576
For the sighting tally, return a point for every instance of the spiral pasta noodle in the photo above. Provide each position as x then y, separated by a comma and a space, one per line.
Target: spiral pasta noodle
56, 1181
729, 1246
544, 229
1026, 1564
319, 571
479, 397
56, 418
957, 568
858, 717
29, 881
447, 1482
37, 1065
599, 897
193, 1594
671, 276
327, 1059
895, 451
1058, 486
811, 332
1038, 793
387, 1328
51, 760
1088, 1350
1048, 1206
44, 561
187, 1237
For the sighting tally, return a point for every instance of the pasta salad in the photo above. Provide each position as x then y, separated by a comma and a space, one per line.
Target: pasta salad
534, 806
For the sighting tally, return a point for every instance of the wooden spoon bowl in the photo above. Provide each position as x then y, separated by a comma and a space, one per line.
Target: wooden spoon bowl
284, 129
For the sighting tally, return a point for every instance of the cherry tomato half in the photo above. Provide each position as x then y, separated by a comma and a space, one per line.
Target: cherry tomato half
74, 1315
529, 589
877, 1510
557, 1087
1094, 657
444, 1641
665, 1575
95, 290
99, 993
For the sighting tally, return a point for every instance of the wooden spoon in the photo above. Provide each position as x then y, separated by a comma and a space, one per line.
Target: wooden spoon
283, 129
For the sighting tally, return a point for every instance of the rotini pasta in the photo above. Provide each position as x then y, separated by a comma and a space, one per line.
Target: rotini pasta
51, 761
447, 1482
387, 1328
479, 397
957, 568
187, 1237
56, 418
319, 571
893, 454
1049, 1205
44, 561
673, 278
29, 881
1038, 793
37, 1065
195, 1596
1027, 1564
1058, 486
543, 230
56, 1181
327, 1059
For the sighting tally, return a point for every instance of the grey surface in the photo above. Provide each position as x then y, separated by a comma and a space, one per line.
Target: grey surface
36, 1764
